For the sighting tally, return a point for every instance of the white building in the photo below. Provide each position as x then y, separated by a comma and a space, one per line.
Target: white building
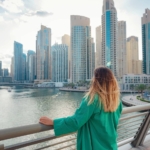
59, 56
132, 80
98, 54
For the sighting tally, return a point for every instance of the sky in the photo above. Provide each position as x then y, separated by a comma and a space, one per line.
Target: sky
21, 19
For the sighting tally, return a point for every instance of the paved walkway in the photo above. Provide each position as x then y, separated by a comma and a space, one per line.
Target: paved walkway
132, 100
146, 146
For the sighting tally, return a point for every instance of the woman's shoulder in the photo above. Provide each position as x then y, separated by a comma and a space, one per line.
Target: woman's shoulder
95, 98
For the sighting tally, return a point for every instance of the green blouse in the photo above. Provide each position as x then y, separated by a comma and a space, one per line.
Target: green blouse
97, 129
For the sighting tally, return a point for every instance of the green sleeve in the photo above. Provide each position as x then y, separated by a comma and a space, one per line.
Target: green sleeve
120, 107
73, 123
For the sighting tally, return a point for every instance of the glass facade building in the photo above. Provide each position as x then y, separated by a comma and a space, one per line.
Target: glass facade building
29, 53
32, 67
146, 41
0, 68
23, 67
81, 49
43, 51
5, 72
59, 63
109, 36
18, 53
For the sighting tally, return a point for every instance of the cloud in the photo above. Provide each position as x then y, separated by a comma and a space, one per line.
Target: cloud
12, 6
43, 13
8, 56
4, 56
2, 10
40, 13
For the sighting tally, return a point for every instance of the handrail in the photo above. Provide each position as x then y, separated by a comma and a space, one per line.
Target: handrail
136, 108
23, 130
35, 128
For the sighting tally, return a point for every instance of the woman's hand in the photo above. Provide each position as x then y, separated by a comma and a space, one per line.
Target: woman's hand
46, 121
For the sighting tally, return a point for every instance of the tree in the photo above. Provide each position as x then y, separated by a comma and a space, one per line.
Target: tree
132, 86
141, 88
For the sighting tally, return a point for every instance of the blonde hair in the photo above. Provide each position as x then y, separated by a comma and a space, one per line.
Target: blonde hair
105, 85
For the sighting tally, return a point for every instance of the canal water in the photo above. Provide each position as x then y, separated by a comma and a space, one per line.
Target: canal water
23, 106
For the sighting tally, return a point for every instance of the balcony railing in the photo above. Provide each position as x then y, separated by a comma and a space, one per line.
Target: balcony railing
134, 126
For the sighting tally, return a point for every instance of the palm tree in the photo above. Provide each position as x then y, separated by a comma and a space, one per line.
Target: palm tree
141, 88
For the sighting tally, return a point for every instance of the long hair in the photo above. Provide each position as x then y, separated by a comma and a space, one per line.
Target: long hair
105, 85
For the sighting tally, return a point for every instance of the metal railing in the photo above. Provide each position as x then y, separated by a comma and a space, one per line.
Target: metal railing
134, 126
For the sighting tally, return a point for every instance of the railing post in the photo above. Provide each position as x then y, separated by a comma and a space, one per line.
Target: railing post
143, 130
1, 147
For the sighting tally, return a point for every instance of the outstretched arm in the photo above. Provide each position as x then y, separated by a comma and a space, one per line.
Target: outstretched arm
74, 122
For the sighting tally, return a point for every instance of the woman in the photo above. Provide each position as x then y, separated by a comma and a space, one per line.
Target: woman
97, 117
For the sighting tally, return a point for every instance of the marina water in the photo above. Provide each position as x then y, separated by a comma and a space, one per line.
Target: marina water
24, 106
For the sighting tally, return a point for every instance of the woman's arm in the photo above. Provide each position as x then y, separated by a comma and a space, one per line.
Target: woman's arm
74, 122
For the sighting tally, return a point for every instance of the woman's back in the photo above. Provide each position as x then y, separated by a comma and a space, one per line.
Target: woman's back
100, 132
97, 117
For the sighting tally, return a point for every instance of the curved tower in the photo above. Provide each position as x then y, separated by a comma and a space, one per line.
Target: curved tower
109, 36
146, 41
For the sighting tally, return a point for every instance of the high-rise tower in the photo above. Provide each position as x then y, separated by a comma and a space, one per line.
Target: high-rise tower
59, 63
133, 62
66, 40
29, 53
146, 41
98, 54
43, 51
81, 48
0, 68
109, 36
121, 55
23, 67
18, 57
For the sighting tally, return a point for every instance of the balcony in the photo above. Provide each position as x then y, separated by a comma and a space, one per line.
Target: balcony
133, 132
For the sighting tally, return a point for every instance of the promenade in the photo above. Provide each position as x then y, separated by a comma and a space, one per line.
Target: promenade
131, 100
81, 89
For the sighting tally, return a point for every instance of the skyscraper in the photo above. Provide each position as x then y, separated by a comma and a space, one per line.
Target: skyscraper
146, 41
59, 63
23, 67
80, 48
0, 68
66, 40
5, 72
121, 55
12, 68
109, 36
18, 53
30, 52
98, 54
90, 58
43, 51
132, 58
32, 67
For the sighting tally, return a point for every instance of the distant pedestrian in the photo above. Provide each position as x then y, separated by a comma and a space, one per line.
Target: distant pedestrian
97, 117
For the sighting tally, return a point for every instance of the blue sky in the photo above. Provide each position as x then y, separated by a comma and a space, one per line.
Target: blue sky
21, 19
